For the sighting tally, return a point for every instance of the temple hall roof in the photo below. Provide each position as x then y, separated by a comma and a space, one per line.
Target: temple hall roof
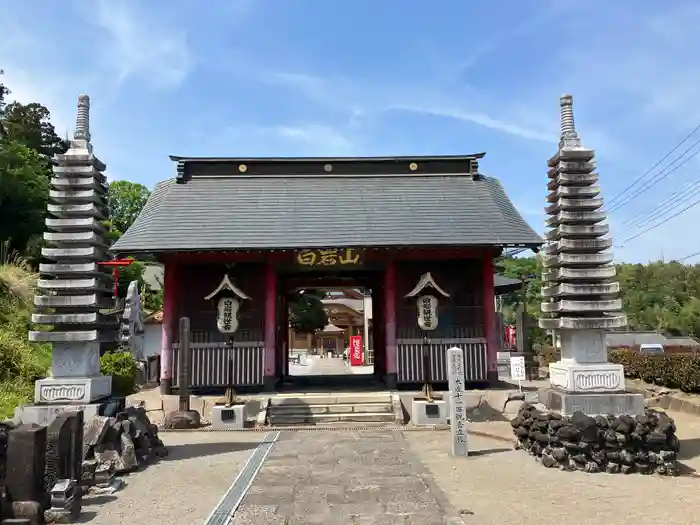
239, 204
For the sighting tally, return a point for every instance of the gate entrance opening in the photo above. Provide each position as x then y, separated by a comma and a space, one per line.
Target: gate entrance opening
331, 331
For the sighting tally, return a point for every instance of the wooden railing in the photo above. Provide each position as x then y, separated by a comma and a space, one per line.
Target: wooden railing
410, 359
223, 364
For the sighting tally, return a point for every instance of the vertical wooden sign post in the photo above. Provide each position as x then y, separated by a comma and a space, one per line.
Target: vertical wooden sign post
458, 414
184, 417
183, 364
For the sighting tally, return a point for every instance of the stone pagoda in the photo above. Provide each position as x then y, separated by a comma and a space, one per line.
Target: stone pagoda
73, 290
580, 293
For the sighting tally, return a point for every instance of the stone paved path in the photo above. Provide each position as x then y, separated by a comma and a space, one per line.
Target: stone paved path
357, 477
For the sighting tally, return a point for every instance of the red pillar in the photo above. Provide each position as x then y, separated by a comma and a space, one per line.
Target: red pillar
390, 323
490, 332
171, 290
270, 323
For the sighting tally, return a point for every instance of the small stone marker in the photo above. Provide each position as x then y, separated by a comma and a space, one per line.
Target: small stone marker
458, 413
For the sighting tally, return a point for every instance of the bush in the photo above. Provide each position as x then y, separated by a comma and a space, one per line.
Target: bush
19, 359
669, 370
14, 394
121, 365
549, 354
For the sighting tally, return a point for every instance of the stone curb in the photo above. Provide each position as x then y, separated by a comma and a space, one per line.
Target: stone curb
673, 404
667, 400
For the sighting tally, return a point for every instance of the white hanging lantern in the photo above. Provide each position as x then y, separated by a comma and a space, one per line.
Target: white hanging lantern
427, 312
227, 315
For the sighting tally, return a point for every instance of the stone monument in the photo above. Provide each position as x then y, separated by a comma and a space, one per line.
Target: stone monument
131, 331
580, 293
73, 291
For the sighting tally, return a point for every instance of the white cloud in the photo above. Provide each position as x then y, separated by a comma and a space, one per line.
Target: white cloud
481, 119
325, 138
138, 46
310, 139
364, 98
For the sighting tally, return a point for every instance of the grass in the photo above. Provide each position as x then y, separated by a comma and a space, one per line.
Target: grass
21, 362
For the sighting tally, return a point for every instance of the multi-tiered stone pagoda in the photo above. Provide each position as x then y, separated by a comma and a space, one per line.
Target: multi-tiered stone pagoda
580, 294
73, 289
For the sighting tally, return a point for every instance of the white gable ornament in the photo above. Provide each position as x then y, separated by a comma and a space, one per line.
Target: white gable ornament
228, 305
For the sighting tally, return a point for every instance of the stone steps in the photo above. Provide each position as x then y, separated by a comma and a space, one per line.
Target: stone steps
333, 408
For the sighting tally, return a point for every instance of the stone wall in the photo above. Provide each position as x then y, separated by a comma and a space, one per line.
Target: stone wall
645, 444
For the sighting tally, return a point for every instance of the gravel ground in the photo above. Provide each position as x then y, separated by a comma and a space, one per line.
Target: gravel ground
498, 485
183, 488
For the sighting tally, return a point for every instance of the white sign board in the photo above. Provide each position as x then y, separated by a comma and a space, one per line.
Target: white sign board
517, 368
458, 412
427, 312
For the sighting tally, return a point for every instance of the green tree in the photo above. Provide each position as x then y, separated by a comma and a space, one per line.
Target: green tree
24, 190
307, 314
126, 200
30, 124
4, 91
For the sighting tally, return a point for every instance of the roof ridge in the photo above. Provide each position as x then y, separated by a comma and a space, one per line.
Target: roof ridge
388, 158
413, 175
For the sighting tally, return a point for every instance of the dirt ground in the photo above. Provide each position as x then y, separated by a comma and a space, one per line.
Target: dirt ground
499, 485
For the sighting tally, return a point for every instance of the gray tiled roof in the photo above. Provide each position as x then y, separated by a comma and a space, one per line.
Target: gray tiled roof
501, 281
219, 213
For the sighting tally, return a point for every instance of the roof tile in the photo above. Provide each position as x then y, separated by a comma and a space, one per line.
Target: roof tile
227, 213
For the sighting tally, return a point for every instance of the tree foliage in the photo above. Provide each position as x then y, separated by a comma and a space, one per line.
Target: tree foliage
27, 142
24, 190
306, 312
30, 124
4, 91
126, 200
660, 296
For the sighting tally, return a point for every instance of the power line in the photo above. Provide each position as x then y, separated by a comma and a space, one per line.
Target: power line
657, 179
639, 179
685, 186
661, 212
694, 203
688, 257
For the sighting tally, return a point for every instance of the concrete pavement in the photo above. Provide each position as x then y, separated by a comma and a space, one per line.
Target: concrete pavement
316, 365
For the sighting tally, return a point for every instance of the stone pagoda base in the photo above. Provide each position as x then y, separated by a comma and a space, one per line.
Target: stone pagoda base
79, 390
598, 404
582, 378
53, 395
45, 414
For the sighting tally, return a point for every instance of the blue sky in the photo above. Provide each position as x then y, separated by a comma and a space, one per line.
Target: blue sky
390, 77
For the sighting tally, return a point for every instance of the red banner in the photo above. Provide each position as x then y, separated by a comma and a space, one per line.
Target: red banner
357, 357
510, 336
